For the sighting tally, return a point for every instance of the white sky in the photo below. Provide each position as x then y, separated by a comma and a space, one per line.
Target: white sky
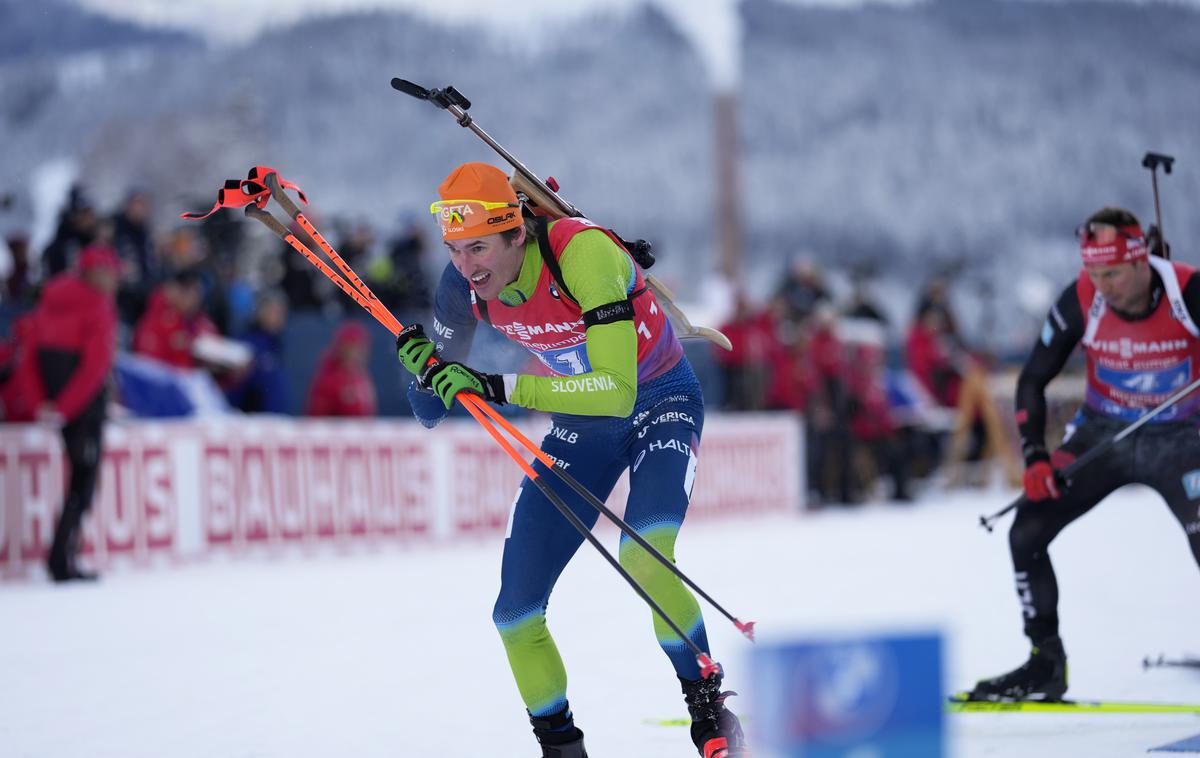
712, 24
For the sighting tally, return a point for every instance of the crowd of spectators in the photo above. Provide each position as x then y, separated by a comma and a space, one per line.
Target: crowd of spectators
833, 360
186, 287
866, 418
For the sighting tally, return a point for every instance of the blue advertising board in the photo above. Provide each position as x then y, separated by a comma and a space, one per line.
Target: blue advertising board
847, 698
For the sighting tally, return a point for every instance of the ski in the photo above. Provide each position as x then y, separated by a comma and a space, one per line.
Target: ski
667, 722
959, 704
685, 722
1163, 661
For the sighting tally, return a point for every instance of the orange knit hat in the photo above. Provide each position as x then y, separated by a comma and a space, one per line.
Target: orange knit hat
477, 200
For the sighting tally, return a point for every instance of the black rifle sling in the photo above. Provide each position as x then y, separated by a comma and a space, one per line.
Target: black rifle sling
543, 238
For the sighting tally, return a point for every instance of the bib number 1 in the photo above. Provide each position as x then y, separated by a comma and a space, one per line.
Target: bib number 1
567, 362
572, 359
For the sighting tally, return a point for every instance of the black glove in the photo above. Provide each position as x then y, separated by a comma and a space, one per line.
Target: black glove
448, 378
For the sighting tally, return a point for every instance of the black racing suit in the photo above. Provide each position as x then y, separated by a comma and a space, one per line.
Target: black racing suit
1163, 456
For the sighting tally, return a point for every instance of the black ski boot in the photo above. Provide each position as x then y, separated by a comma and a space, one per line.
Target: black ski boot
1042, 677
557, 741
716, 732
62, 562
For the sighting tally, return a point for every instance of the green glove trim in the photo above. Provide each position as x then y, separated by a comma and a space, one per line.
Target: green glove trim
414, 348
415, 354
452, 378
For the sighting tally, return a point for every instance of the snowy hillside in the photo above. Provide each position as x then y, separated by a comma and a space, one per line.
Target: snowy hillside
55, 28
965, 129
914, 135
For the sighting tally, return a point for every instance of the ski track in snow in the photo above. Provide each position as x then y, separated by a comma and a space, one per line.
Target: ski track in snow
392, 652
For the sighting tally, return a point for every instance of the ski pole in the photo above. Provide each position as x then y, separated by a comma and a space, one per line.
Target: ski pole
1152, 161
988, 522
361, 294
367, 300
1163, 661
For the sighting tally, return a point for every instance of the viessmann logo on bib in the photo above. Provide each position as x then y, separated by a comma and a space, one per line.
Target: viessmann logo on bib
1127, 348
528, 331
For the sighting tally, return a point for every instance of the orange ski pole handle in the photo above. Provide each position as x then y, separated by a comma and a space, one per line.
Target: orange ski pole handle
475, 405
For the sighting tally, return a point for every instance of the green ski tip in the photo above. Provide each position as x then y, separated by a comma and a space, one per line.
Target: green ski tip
667, 722
685, 721
958, 703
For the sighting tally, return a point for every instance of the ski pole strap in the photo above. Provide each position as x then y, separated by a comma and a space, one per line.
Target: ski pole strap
238, 193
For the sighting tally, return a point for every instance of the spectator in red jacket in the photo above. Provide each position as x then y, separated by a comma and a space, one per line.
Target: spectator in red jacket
938, 361
747, 368
70, 350
930, 352
172, 321
871, 419
794, 381
342, 386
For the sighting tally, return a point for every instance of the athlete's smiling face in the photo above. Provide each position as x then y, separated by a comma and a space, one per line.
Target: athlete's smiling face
490, 263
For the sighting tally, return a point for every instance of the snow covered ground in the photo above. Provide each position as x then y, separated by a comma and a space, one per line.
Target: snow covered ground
393, 653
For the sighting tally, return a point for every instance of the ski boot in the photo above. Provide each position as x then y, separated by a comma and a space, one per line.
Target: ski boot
716, 732
558, 740
1042, 677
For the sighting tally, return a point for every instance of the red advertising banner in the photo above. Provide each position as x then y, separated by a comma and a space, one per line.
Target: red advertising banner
184, 490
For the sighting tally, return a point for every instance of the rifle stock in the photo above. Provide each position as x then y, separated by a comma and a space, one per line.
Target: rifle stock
538, 196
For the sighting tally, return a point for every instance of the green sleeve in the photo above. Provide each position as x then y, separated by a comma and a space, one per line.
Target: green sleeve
598, 273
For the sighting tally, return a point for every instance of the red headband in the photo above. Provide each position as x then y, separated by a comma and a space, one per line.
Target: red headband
1126, 246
